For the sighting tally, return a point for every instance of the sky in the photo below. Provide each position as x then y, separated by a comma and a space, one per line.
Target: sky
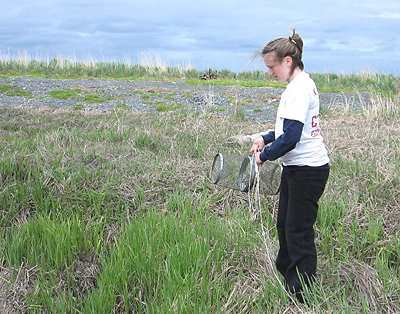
340, 36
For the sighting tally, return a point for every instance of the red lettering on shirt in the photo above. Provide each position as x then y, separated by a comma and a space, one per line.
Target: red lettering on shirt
315, 121
315, 133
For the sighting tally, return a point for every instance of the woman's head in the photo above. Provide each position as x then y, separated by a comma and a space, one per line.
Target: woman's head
283, 54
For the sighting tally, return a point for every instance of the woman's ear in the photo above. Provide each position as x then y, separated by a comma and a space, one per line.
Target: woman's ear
288, 61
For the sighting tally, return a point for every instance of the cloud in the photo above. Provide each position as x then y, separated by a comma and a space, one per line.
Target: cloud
221, 34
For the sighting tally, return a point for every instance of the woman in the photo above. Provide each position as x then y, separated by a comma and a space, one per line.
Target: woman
297, 141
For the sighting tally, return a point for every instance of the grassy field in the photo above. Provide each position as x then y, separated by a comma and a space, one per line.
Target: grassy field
115, 213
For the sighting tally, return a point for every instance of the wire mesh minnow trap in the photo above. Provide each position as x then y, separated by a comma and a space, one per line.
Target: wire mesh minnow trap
240, 173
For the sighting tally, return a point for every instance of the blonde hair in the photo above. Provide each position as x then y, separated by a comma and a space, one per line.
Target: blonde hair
291, 46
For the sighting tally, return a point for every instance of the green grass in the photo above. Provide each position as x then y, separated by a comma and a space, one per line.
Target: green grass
67, 94
161, 107
79, 94
78, 107
114, 212
171, 256
97, 98
11, 91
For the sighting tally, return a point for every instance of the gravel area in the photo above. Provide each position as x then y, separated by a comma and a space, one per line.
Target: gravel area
257, 104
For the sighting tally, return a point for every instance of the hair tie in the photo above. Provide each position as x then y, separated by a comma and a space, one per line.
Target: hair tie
293, 41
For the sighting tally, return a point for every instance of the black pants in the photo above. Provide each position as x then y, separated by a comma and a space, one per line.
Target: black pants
301, 188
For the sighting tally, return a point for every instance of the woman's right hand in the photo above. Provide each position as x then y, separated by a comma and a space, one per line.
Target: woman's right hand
258, 145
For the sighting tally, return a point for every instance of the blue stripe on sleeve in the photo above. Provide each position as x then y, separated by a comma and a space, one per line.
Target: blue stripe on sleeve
269, 138
292, 130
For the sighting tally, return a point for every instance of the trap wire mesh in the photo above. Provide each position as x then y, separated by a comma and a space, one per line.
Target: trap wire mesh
270, 177
239, 173
225, 170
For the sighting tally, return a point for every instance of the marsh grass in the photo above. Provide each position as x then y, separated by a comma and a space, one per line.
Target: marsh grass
114, 213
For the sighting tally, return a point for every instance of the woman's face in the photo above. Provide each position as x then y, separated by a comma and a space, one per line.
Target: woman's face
280, 70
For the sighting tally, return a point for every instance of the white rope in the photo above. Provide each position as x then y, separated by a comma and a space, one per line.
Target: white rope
255, 195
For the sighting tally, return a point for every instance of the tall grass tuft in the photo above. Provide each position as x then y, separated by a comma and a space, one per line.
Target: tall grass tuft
174, 260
